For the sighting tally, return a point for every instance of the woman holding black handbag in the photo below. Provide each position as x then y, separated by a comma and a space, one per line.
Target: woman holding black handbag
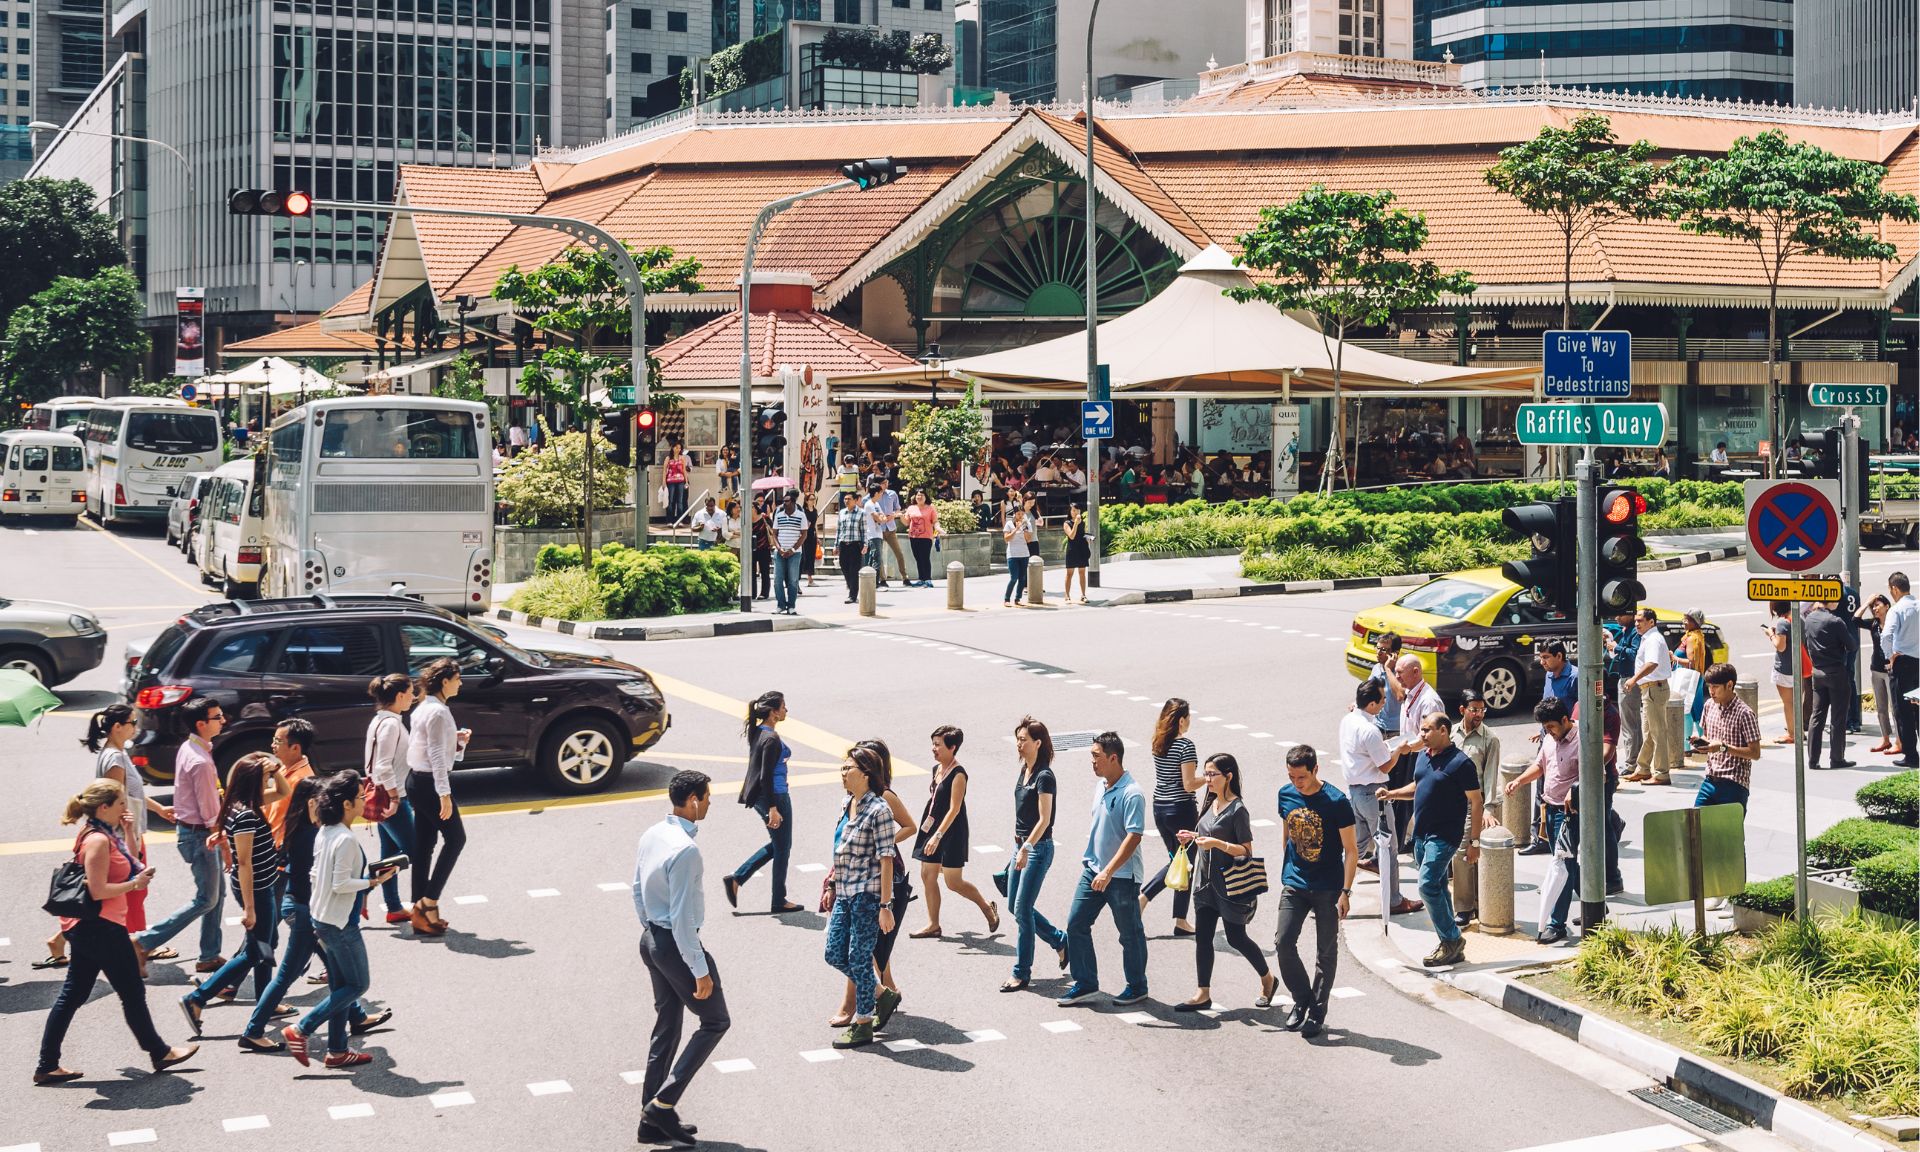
1222, 838
93, 916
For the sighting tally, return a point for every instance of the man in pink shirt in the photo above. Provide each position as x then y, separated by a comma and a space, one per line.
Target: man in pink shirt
196, 807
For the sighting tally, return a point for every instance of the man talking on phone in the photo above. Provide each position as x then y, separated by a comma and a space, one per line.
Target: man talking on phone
667, 894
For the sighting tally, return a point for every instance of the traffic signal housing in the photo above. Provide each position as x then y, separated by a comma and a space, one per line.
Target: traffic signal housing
268, 202
770, 439
873, 173
1551, 527
617, 429
646, 433
1617, 559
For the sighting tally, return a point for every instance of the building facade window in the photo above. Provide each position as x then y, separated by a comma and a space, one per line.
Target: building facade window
676, 65
1018, 51
641, 62
1279, 27
676, 21
846, 11
640, 18
1360, 28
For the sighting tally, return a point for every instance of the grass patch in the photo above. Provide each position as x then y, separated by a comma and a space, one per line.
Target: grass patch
561, 594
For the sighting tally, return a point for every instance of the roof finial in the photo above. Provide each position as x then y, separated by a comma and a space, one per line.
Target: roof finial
1213, 62
1447, 56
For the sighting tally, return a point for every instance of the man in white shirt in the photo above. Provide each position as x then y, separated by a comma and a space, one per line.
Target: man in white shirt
1365, 758
709, 526
1659, 752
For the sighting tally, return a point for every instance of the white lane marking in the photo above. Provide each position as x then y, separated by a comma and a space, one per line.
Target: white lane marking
549, 1087
1651, 1139
988, 849
1236, 727
233, 920
1076, 680
1292, 631
810, 867
635, 1077
245, 1123
1135, 699
469, 899
1347, 993
1135, 1017
985, 1036
1055, 675
740, 1065
1272, 627
1060, 1026
350, 1111
908, 1045
539, 893
1311, 635
6, 941
1263, 735
821, 1055
997, 660
1263, 823
1095, 687
133, 1136
616, 887
1116, 691
34, 1147
1209, 719
450, 1099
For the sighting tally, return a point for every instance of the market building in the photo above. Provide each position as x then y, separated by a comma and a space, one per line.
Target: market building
980, 247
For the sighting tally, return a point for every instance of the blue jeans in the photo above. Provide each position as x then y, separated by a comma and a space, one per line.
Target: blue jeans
786, 581
301, 944
255, 953
876, 559
209, 898
1433, 861
1016, 578
1714, 790
851, 935
1023, 888
396, 839
777, 849
347, 980
1123, 897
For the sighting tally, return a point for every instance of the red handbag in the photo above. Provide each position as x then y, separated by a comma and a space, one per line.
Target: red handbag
376, 802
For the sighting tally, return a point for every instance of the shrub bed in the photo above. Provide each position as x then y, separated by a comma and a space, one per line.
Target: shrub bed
1774, 897
1828, 1004
664, 580
1889, 883
565, 594
1855, 839
1894, 799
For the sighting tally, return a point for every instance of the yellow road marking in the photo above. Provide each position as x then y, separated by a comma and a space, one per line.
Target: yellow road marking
797, 731
148, 561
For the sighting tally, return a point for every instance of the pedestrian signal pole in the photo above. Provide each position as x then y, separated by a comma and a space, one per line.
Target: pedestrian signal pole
1593, 708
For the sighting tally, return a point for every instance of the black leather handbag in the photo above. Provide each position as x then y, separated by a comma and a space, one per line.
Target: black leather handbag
67, 893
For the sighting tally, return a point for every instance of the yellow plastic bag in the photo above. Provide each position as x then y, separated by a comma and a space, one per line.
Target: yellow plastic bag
1179, 871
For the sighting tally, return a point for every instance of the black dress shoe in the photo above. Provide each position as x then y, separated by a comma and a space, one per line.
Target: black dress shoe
1310, 1027
648, 1134
731, 887
1462, 919
1551, 936
1537, 848
1295, 1019
666, 1122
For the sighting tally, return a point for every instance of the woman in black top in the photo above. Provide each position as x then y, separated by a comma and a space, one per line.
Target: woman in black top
253, 866
1176, 778
1034, 793
1079, 553
1223, 835
942, 844
765, 791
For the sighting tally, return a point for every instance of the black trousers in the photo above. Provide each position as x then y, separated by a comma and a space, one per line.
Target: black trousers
1205, 921
762, 573
1171, 819
1296, 904
922, 556
429, 829
99, 946
850, 557
1830, 690
1904, 672
673, 983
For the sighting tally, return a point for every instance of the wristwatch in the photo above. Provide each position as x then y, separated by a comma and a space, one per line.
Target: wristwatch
1346, 891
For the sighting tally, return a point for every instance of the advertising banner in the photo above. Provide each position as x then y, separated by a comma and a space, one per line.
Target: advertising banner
190, 347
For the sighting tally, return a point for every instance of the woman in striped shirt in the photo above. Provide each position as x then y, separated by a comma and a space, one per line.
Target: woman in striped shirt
1176, 777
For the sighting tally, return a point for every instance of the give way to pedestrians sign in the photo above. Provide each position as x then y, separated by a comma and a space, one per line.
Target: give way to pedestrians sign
1793, 526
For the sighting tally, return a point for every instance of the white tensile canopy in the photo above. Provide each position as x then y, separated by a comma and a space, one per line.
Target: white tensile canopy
267, 376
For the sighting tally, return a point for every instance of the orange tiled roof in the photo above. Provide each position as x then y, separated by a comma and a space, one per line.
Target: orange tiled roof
1297, 90
796, 338
309, 339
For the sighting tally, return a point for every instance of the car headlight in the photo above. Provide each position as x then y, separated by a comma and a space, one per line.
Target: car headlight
83, 625
640, 690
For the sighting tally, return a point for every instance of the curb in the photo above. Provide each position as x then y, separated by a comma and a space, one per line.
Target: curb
625, 630
1798, 1124
1689, 559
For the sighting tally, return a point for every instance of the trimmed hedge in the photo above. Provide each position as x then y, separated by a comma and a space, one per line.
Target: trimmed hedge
1889, 882
1855, 839
664, 580
1774, 896
1893, 799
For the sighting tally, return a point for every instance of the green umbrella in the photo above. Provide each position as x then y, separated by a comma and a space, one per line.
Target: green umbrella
23, 699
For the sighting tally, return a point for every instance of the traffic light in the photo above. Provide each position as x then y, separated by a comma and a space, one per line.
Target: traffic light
646, 432
873, 173
770, 441
1828, 443
617, 428
1551, 528
268, 202
1617, 565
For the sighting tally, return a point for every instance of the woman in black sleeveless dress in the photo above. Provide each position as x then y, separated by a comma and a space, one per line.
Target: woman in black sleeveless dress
941, 846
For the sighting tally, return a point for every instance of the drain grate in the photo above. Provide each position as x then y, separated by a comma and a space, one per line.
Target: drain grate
1692, 1111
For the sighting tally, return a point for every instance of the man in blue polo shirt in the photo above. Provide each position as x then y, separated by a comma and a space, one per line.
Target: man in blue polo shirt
1446, 801
1110, 877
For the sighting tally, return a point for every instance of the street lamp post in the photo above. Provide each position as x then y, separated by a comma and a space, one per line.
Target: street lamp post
1093, 323
860, 174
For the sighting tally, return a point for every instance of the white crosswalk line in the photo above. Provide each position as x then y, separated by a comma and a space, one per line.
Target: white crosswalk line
542, 893
450, 1099
1057, 1026
1263, 823
549, 1087
1236, 727
349, 1111
1263, 735
1347, 993
1650, 1139
985, 1036
616, 887
132, 1136
821, 1055
469, 899
810, 867
1135, 1017
244, 1123
740, 1065
907, 1045
636, 1076
988, 849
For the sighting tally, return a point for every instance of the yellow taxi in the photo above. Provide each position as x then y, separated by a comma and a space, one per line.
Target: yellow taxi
1478, 630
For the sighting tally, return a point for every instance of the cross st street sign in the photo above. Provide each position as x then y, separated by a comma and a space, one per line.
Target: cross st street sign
1096, 420
1601, 425
1847, 395
1583, 364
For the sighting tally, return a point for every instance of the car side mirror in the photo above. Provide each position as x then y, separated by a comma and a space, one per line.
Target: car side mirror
496, 665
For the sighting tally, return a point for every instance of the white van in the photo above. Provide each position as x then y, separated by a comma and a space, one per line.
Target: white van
231, 536
42, 474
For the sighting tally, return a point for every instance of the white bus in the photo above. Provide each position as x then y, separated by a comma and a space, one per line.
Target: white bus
42, 474
231, 537
368, 492
61, 413
137, 452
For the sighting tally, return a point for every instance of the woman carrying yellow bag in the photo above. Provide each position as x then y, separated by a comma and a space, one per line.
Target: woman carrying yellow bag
1179, 870
1222, 845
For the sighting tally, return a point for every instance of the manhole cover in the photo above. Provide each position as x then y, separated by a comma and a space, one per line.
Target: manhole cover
1692, 1111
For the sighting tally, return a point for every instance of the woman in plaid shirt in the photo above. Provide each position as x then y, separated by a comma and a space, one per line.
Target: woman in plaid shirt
862, 887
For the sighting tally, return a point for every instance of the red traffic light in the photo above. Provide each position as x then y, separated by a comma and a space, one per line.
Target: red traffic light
268, 202
296, 204
1620, 507
644, 419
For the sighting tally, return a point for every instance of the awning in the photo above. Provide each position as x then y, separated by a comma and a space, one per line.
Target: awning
399, 371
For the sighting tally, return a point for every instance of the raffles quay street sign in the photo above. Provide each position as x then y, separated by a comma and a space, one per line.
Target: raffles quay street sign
1603, 425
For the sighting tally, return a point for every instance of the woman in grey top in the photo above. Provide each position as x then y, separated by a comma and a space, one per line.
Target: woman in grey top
1223, 836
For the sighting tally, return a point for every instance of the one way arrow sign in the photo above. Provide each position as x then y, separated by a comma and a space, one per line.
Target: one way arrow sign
1096, 420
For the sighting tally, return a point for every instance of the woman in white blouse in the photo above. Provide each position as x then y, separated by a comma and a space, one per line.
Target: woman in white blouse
431, 751
386, 766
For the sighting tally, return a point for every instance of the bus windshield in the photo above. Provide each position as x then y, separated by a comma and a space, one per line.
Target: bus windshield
398, 434
173, 432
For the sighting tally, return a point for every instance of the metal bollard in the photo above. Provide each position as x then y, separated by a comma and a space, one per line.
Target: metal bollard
869, 591
1676, 731
1496, 882
1516, 811
1036, 581
1749, 691
956, 587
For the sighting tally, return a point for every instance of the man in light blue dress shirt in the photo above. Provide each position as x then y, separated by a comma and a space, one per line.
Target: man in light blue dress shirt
667, 895
1110, 877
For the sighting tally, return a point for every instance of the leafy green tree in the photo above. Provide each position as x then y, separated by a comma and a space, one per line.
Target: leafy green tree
71, 326
1786, 198
49, 229
542, 489
1581, 178
578, 298
1347, 258
464, 379
937, 440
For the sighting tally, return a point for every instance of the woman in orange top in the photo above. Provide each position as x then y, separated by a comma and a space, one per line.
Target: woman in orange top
99, 943
923, 524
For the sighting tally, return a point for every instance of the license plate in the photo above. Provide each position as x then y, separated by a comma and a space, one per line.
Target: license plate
469, 537
33, 497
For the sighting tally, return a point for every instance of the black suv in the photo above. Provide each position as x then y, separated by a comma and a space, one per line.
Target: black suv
577, 719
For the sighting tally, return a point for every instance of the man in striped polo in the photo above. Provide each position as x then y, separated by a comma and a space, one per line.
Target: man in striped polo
789, 533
